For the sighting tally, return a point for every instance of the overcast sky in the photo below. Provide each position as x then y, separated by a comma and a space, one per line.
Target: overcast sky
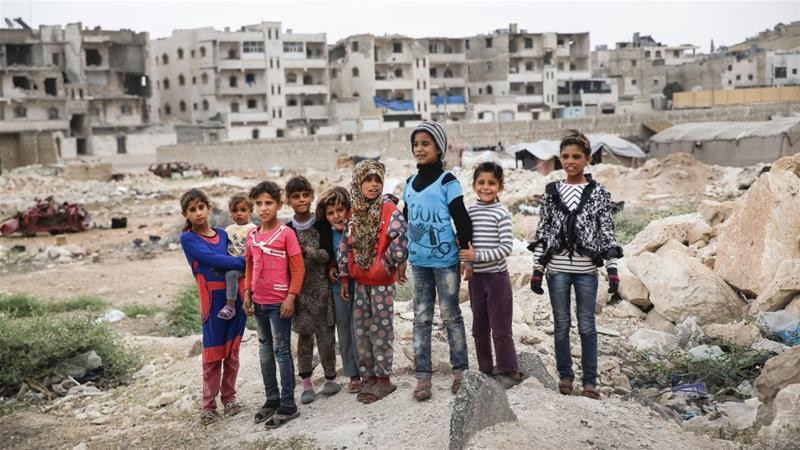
608, 22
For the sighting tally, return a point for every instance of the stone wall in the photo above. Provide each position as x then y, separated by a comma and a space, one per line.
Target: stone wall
320, 152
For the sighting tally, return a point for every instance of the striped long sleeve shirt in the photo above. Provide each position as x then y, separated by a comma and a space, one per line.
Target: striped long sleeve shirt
491, 236
561, 262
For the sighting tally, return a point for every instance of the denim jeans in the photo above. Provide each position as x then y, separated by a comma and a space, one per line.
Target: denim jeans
274, 345
559, 285
427, 283
346, 332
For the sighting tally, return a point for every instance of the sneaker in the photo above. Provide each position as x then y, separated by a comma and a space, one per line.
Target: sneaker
330, 388
354, 386
307, 397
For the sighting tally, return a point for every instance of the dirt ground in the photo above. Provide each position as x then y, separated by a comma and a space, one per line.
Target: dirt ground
114, 269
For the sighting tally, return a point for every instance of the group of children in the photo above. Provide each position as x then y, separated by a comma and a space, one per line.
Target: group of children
331, 272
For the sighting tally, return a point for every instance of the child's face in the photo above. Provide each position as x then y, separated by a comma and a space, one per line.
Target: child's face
301, 202
197, 213
267, 207
335, 214
487, 186
425, 148
240, 213
372, 187
574, 160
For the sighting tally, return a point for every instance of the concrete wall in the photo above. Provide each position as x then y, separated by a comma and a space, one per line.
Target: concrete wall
25, 148
742, 153
136, 144
704, 99
320, 152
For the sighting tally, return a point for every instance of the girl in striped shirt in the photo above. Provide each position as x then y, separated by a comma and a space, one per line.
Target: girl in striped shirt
489, 286
574, 236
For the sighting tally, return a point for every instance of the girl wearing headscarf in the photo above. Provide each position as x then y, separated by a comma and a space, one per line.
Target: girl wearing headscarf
372, 250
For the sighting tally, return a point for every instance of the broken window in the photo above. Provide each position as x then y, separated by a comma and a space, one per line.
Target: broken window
529, 66
488, 42
647, 54
433, 72
164, 59
572, 66
255, 133
194, 81
233, 54
181, 80
633, 82
250, 79
93, 57
308, 80
56, 59
204, 78
166, 83
180, 53
355, 71
233, 81
252, 104
466, 44
489, 90
182, 106
126, 109
20, 112
52, 113
22, 83
548, 58
780, 72
738, 77
202, 52
448, 73
291, 102
354, 46
194, 106
167, 109
528, 42
750, 77
397, 47
19, 55
51, 86
291, 77
234, 107
205, 105
398, 73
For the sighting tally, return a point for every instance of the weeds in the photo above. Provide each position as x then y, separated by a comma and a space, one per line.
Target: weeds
630, 222
184, 315
24, 305
721, 375
32, 348
137, 310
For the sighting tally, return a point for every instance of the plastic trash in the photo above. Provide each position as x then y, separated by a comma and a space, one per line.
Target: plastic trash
705, 352
784, 324
691, 390
111, 316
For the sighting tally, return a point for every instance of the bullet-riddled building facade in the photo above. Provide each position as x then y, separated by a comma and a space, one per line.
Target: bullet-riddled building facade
70, 91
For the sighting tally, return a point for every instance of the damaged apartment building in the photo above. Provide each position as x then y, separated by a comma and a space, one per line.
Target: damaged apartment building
254, 83
70, 91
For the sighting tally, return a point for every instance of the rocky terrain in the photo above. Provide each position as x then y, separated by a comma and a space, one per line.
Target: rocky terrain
710, 286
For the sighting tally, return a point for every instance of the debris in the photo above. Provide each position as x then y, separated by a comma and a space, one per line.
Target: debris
111, 316
275, 171
532, 365
181, 169
705, 352
778, 373
119, 222
480, 403
79, 365
48, 216
653, 341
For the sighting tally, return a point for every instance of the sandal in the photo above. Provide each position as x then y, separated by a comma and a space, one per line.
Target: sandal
278, 419
366, 391
265, 412
378, 392
565, 386
456, 385
226, 313
422, 393
353, 387
590, 390
208, 417
233, 408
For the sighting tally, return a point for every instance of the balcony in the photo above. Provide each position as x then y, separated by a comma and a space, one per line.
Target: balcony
529, 98
305, 63
242, 90
307, 112
448, 82
394, 84
444, 58
305, 89
573, 75
241, 64
254, 116
457, 108
526, 77
521, 52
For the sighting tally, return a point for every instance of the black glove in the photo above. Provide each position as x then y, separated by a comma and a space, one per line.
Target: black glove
613, 281
536, 282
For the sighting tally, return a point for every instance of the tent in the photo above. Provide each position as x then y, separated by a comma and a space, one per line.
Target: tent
543, 155
731, 143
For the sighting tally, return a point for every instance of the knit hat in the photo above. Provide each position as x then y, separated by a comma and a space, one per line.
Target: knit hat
438, 134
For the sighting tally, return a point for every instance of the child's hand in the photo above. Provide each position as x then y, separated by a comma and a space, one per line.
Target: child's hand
344, 291
467, 254
333, 274
401, 273
466, 271
248, 303
287, 307
536, 282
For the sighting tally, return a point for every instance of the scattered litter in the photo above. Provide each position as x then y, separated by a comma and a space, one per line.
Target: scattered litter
111, 316
705, 353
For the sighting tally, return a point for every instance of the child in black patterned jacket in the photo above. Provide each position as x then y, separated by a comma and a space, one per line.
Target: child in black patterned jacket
574, 236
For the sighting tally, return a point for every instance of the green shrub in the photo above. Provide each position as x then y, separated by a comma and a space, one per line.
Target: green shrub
184, 314
136, 310
630, 222
32, 348
24, 305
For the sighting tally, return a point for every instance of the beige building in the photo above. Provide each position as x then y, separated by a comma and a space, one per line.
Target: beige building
257, 82
71, 91
448, 72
